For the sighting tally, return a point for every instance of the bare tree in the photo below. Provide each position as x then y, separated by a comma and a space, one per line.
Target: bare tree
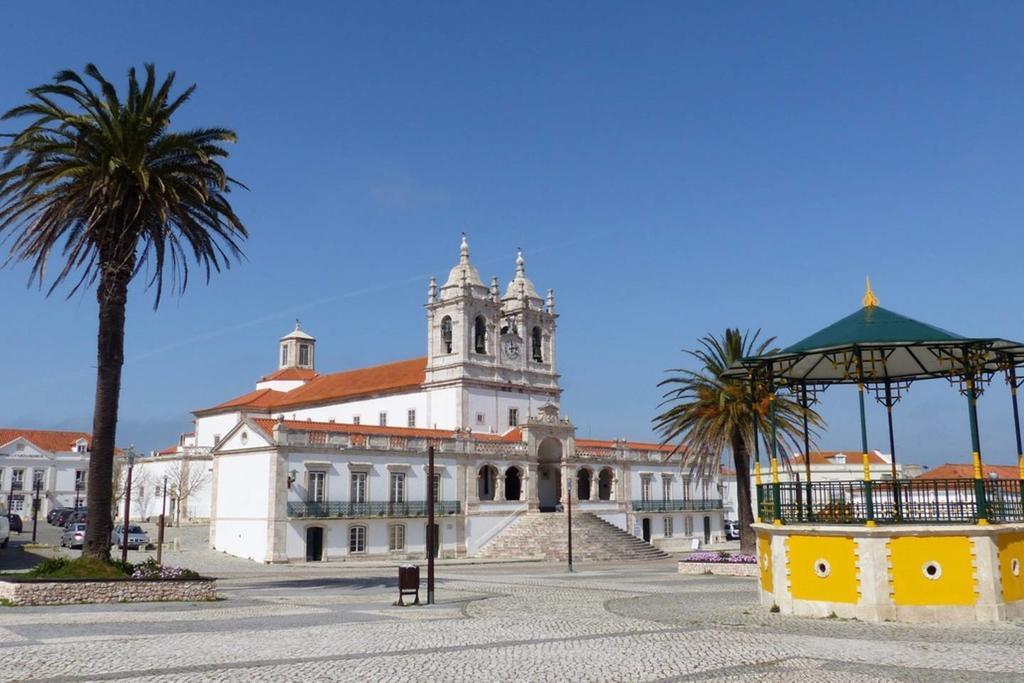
141, 490
183, 481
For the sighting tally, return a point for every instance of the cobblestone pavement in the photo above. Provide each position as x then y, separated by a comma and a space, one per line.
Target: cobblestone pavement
492, 623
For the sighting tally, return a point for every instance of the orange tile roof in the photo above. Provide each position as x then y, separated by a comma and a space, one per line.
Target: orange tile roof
852, 458
267, 426
966, 471
632, 445
44, 438
290, 374
170, 450
401, 375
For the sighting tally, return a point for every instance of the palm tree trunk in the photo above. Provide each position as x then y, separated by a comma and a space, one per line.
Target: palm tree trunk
741, 461
112, 296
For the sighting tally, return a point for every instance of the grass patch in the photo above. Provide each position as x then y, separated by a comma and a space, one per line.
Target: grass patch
79, 568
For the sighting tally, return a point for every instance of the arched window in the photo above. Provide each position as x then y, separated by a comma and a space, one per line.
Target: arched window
486, 481
604, 484
446, 334
480, 335
583, 483
513, 484
537, 345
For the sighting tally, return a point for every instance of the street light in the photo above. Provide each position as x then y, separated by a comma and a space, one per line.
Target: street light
129, 455
568, 508
37, 485
160, 536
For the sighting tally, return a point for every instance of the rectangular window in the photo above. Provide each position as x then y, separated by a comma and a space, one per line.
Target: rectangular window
480, 418
316, 491
358, 487
688, 526
396, 537
513, 417
666, 488
355, 419
37, 479
397, 487
17, 504
357, 539
645, 489
17, 479
216, 439
81, 448
303, 354
284, 356
412, 418
668, 527
382, 418
686, 488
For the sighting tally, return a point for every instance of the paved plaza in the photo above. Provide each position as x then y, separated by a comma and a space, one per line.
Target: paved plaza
499, 622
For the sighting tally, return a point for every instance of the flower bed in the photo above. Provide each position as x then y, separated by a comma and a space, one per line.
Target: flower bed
719, 563
60, 581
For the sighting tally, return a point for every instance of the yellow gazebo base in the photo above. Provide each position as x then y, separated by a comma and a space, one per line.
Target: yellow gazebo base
914, 573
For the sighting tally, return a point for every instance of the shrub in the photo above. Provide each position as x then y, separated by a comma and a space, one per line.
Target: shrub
79, 568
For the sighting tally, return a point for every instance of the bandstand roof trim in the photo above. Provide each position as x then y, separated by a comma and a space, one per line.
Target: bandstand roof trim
873, 325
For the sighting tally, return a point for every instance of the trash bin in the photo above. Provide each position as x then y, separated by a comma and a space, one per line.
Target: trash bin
408, 582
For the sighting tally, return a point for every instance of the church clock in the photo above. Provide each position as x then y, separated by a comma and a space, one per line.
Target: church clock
511, 347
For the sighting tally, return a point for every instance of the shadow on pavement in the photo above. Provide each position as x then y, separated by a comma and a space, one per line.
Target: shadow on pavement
16, 558
355, 583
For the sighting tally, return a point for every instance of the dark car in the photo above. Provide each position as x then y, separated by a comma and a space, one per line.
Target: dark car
63, 516
16, 525
53, 515
76, 517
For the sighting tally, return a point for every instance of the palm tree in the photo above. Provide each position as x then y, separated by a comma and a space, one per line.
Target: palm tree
119, 192
707, 414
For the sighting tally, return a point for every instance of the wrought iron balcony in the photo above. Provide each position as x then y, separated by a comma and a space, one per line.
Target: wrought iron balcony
677, 505
349, 510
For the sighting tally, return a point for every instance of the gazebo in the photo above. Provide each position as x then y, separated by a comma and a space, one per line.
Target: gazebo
892, 548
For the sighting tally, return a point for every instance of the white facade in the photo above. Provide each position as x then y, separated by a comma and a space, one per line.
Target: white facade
313, 467
187, 473
56, 460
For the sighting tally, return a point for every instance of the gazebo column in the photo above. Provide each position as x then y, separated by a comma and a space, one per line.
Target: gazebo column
869, 498
776, 493
892, 452
807, 451
979, 482
1012, 379
757, 451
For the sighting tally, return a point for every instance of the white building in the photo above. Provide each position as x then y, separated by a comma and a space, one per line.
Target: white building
57, 461
331, 466
187, 473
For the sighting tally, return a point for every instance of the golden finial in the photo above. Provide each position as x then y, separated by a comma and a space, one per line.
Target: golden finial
869, 297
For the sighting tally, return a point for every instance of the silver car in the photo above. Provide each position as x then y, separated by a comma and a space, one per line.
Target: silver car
137, 538
73, 536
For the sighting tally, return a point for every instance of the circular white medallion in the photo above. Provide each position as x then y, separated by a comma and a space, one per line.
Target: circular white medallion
931, 570
822, 568
245, 438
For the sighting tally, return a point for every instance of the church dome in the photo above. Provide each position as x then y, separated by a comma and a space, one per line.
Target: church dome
464, 271
521, 284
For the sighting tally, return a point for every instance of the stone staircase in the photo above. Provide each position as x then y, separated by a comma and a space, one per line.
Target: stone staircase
543, 534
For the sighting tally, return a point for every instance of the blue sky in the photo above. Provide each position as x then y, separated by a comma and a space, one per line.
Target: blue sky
670, 169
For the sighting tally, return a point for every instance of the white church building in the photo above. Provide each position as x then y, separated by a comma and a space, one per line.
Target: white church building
311, 466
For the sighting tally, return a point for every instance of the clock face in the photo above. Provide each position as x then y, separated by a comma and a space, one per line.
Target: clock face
511, 348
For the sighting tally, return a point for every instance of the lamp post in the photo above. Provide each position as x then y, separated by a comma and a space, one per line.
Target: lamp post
78, 492
160, 533
38, 484
130, 457
430, 525
568, 516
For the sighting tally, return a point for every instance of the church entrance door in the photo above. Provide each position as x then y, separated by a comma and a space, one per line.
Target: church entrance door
549, 485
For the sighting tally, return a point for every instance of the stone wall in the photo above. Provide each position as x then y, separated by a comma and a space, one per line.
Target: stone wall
718, 568
77, 592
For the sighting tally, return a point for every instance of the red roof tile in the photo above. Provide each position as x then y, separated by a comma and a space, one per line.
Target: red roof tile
966, 471
290, 374
394, 377
852, 458
267, 426
45, 439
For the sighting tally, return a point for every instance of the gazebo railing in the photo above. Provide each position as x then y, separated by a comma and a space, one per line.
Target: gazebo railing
933, 501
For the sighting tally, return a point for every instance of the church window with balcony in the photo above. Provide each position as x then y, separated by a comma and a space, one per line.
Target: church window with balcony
537, 345
446, 334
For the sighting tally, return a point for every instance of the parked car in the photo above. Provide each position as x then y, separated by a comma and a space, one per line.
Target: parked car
63, 516
5, 529
137, 538
14, 520
53, 515
76, 517
73, 536
732, 530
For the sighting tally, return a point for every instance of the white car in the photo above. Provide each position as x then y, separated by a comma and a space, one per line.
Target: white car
5, 527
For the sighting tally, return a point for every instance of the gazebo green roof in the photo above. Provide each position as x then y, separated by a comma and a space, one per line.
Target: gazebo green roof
887, 345
873, 325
